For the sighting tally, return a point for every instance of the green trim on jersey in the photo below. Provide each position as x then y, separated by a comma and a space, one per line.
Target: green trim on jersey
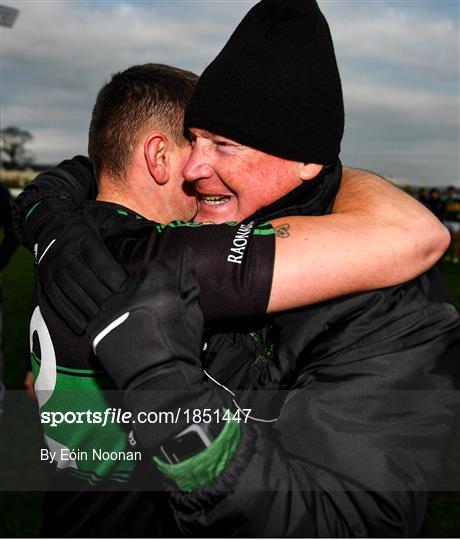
203, 468
174, 224
71, 370
31, 210
93, 478
262, 229
129, 213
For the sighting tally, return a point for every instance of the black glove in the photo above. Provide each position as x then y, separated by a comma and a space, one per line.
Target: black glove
72, 180
148, 338
77, 271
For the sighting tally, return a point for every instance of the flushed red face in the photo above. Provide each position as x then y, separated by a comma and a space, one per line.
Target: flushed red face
232, 180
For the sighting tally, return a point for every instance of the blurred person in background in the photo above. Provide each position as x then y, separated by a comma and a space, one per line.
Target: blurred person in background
407, 189
436, 204
423, 196
452, 222
7, 248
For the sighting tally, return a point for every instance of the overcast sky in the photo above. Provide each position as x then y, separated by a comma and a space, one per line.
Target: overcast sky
399, 62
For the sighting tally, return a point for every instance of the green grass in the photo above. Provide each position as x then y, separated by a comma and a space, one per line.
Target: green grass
20, 512
17, 294
443, 516
451, 273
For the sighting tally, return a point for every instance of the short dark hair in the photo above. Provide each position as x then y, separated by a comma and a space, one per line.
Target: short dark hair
142, 94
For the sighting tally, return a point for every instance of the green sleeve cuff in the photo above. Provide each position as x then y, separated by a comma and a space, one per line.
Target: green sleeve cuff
31, 210
203, 468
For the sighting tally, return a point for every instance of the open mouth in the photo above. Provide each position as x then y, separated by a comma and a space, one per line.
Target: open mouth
215, 200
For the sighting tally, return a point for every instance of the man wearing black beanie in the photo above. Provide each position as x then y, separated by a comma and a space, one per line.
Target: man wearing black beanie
351, 447
275, 86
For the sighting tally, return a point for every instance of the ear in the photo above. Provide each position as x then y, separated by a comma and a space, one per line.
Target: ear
156, 155
309, 171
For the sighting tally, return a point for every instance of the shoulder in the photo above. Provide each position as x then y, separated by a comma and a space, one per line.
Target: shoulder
126, 234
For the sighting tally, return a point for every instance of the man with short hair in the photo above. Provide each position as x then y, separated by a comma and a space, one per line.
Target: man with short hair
300, 467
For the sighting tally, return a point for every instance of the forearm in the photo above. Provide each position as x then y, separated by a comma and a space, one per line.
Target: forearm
371, 196
377, 237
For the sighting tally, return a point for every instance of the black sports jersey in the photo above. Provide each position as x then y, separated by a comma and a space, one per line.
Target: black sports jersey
233, 262
234, 266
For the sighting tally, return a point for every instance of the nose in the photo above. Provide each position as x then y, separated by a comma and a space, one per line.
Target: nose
197, 166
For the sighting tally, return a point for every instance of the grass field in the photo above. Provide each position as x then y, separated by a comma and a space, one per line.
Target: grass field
20, 514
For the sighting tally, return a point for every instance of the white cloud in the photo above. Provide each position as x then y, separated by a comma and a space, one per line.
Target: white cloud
400, 70
60, 53
416, 106
58, 144
394, 34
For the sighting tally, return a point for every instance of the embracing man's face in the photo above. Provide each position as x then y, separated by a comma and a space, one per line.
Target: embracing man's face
233, 181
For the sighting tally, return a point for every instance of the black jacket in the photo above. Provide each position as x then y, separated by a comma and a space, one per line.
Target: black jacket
364, 389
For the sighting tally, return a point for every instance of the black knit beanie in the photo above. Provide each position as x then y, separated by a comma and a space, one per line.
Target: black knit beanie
275, 85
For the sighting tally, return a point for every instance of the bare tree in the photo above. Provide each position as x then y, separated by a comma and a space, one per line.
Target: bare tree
12, 144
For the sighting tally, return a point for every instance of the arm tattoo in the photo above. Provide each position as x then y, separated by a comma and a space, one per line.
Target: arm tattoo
282, 231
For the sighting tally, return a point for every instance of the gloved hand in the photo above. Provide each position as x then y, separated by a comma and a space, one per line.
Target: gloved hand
148, 338
153, 324
77, 271
72, 180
